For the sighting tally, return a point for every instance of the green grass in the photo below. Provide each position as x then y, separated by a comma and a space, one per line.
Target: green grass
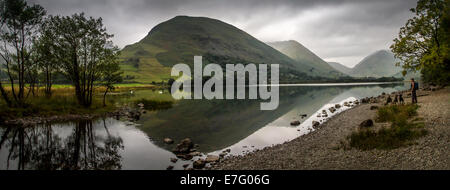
402, 131
56, 105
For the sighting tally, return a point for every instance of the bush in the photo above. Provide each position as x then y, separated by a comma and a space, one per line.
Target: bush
400, 133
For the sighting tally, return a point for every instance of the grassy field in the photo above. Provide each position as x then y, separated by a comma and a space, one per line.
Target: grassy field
64, 102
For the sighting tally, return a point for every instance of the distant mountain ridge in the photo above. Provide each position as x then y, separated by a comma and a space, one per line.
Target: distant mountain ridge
381, 63
342, 68
300, 53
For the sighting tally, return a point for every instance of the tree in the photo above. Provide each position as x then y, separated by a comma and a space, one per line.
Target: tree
111, 75
423, 43
82, 47
19, 23
44, 55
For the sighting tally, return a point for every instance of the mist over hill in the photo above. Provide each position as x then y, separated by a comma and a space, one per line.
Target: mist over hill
378, 64
342, 68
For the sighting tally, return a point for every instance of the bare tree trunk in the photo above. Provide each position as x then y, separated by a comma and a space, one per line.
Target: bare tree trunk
104, 97
5, 95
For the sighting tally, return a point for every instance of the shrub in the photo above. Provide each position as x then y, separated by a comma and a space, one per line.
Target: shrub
400, 133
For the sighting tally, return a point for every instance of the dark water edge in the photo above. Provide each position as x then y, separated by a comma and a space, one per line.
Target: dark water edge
214, 125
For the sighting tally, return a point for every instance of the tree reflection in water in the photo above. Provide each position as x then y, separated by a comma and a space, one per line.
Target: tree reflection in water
42, 148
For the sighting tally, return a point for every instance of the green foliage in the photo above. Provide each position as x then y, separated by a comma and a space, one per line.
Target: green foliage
19, 23
85, 51
424, 42
395, 112
400, 133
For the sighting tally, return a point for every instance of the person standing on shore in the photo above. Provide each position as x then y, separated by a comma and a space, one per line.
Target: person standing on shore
414, 88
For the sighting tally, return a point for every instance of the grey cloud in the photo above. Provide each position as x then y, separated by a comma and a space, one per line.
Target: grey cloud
337, 30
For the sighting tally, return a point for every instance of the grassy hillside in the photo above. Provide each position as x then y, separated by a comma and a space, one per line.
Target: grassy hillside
342, 68
378, 64
179, 39
301, 54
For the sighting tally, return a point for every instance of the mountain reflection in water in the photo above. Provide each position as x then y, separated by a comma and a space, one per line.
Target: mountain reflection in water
214, 125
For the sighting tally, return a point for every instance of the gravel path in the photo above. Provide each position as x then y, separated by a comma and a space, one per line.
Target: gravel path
319, 149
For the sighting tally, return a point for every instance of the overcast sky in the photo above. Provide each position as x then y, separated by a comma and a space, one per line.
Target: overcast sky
343, 31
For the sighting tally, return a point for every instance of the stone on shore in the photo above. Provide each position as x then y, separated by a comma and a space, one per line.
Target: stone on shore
212, 158
366, 124
315, 124
199, 164
295, 123
185, 156
168, 141
332, 109
185, 146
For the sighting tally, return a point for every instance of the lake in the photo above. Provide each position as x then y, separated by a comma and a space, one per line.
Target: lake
214, 125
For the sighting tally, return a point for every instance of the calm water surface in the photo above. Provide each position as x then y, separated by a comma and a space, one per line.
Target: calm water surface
215, 125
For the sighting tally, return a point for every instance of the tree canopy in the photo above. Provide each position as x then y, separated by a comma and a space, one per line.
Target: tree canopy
423, 43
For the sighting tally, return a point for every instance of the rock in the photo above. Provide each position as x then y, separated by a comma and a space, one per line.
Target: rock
332, 109
325, 115
324, 111
185, 165
168, 141
212, 158
169, 168
227, 150
366, 124
356, 102
195, 153
174, 160
303, 115
337, 106
185, 146
295, 123
185, 156
373, 107
383, 93
365, 100
346, 104
223, 154
315, 124
199, 164
319, 115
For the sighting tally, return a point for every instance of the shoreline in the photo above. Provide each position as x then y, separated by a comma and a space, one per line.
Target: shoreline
132, 114
322, 148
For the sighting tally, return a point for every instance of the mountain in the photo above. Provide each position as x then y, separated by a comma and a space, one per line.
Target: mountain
379, 64
180, 38
300, 53
339, 67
